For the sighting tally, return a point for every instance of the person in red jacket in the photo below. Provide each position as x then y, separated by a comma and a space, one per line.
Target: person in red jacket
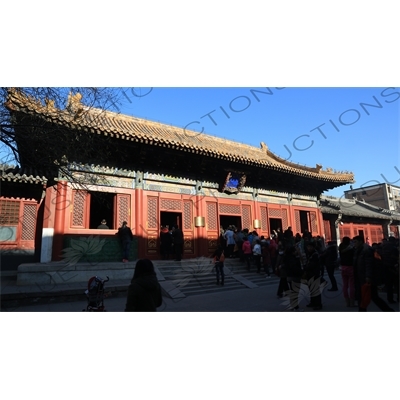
247, 252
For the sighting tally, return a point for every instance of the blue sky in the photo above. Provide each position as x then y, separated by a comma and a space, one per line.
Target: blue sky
347, 129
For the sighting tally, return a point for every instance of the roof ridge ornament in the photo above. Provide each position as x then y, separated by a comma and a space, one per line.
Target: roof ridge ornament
50, 105
264, 147
74, 104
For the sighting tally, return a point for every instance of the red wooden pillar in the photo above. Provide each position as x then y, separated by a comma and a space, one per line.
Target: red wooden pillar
59, 219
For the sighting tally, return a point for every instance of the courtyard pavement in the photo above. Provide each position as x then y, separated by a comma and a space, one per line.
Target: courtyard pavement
260, 299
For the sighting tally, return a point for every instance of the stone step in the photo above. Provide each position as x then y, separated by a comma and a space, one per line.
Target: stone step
197, 276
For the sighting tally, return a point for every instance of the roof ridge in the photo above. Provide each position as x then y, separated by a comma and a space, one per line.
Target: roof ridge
78, 116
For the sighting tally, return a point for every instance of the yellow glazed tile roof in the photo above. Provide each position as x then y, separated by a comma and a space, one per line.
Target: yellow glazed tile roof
107, 123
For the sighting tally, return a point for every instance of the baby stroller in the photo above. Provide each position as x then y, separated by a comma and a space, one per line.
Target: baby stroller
95, 293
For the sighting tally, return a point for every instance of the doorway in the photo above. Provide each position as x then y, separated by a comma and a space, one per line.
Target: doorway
304, 221
171, 219
274, 224
226, 220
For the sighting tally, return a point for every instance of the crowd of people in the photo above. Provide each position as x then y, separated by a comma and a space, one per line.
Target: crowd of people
295, 258
302, 258
365, 268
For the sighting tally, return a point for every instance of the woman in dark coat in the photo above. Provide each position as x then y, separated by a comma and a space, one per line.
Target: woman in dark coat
144, 292
294, 271
329, 258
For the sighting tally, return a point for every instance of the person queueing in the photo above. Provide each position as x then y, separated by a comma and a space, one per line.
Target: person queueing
165, 243
257, 253
247, 252
390, 265
266, 259
312, 274
177, 236
218, 259
283, 286
367, 274
125, 236
294, 271
329, 258
230, 241
346, 254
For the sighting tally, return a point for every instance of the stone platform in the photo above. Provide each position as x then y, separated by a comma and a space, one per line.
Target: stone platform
62, 272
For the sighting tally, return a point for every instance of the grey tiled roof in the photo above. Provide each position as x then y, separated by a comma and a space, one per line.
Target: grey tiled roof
22, 175
350, 207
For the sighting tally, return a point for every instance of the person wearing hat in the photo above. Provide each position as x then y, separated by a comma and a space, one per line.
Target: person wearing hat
103, 225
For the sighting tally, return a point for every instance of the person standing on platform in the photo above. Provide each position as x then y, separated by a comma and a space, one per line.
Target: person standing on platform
165, 243
257, 253
177, 239
230, 241
247, 252
125, 236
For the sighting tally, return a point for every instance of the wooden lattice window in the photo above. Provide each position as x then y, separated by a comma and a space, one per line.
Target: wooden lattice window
345, 230
327, 229
274, 213
297, 221
229, 209
9, 220
246, 217
123, 208
171, 205
285, 222
313, 222
9, 212
187, 215
80, 208
264, 219
376, 234
152, 213
212, 223
29, 222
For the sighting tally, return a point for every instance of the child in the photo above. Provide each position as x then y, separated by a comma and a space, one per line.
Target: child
218, 259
